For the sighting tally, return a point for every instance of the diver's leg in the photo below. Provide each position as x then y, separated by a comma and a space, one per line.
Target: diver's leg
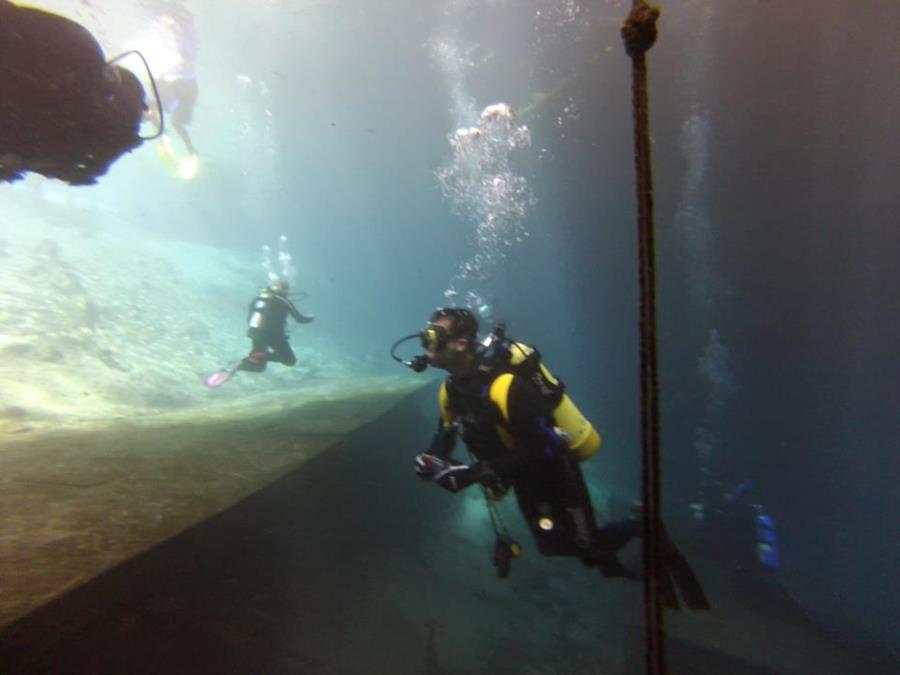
255, 362
672, 569
616, 535
539, 500
577, 501
185, 90
282, 352
185, 136
597, 547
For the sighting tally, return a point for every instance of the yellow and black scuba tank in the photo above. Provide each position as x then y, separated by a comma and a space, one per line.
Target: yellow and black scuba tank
506, 357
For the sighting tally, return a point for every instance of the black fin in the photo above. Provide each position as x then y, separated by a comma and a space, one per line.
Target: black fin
667, 595
681, 573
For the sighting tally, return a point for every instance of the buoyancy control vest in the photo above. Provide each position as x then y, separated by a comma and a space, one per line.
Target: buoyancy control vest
508, 359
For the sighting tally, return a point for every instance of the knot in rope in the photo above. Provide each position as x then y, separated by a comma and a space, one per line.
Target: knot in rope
639, 29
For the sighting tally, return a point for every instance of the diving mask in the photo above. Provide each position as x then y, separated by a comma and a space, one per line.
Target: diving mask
434, 338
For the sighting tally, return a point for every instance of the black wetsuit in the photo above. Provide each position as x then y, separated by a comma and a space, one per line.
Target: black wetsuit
545, 476
270, 343
64, 112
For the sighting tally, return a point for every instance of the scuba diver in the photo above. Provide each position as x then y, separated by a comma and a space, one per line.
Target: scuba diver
178, 87
737, 531
266, 328
524, 434
65, 112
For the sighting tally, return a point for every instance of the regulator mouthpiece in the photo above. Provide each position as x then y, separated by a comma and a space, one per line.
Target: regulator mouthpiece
417, 363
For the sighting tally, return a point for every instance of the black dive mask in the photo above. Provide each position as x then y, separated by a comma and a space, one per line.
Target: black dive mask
433, 338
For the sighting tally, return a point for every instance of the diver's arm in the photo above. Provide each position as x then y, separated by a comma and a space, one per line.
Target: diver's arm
294, 312
443, 441
436, 459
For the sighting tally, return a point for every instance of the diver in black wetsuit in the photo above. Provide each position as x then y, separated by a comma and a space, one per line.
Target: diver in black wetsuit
737, 531
64, 111
525, 434
178, 88
266, 328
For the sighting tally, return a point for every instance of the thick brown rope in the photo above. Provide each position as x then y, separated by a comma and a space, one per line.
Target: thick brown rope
639, 34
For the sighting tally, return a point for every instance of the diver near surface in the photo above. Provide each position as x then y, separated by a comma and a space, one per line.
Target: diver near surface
178, 87
65, 112
266, 323
525, 434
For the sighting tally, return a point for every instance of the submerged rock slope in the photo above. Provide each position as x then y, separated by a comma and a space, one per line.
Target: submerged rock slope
109, 440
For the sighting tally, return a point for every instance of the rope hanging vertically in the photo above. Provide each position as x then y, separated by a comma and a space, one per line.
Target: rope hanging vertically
639, 34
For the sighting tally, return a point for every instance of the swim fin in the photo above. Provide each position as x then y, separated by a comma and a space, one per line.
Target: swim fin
668, 596
680, 575
184, 167
220, 377
675, 573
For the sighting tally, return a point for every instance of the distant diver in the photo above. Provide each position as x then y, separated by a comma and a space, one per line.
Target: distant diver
65, 111
737, 531
178, 89
266, 328
525, 434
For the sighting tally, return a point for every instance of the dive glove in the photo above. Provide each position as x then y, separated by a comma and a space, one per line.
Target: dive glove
457, 476
454, 476
428, 466
449, 473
